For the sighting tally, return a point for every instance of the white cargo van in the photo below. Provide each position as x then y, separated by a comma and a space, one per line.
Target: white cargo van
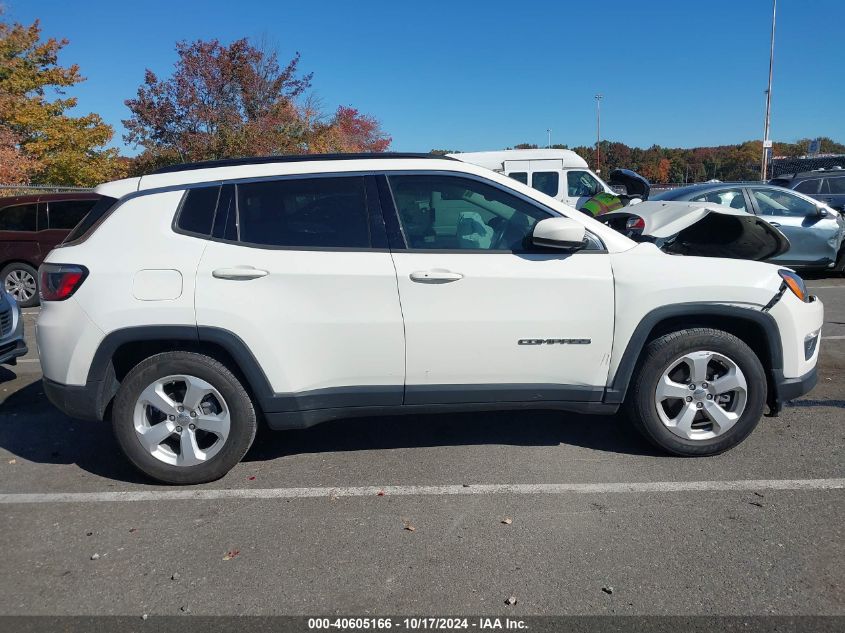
559, 173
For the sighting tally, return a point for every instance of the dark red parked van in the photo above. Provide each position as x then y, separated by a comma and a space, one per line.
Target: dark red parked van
30, 226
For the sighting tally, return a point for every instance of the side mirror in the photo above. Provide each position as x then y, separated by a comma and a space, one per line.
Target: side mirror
563, 233
822, 212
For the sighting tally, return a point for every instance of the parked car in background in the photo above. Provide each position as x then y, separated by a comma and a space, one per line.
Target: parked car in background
559, 173
30, 226
816, 232
826, 185
704, 229
12, 343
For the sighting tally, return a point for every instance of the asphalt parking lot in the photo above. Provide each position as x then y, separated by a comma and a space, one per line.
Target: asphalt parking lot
599, 522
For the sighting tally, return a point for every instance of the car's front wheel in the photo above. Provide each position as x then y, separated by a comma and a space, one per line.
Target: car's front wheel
697, 392
183, 418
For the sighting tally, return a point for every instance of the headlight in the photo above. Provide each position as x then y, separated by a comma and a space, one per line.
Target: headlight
794, 283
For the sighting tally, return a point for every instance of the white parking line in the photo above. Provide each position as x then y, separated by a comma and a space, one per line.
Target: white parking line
833, 338
413, 491
826, 287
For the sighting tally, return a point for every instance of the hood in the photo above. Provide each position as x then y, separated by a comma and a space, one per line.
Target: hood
703, 229
635, 185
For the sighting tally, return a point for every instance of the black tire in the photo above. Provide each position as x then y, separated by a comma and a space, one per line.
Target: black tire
242, 417
840, 262
24, 268
641, 403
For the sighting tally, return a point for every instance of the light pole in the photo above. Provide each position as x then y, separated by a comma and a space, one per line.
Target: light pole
766, 142
549, 132
599, 97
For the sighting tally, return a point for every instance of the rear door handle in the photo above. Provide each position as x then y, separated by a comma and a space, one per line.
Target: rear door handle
239, 273
435, 276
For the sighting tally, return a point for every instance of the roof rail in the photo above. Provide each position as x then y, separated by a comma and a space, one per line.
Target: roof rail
290, 158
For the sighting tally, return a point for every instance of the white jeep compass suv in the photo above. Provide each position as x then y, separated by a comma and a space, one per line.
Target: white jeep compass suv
193, 301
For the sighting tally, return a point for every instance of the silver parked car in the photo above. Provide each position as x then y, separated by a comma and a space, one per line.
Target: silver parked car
816, 232
12, 342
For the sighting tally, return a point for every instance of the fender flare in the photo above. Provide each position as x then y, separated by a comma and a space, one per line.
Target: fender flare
617, 390
101, 375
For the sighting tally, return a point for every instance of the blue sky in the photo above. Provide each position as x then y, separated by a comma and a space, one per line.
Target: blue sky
486, 75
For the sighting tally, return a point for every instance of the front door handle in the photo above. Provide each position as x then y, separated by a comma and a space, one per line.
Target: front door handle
239, 273
435, 276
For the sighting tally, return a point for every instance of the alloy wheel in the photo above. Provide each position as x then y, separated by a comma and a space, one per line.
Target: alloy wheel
181, 420
701, 395
21, 285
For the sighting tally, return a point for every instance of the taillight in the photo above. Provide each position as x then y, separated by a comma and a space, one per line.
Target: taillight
635, 222
60, 281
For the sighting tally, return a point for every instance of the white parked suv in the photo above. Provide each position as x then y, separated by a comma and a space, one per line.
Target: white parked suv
195, 301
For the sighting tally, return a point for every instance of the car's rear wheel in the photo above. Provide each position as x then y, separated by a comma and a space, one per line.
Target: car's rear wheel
21, 281
183, 418
697, 392
840, 262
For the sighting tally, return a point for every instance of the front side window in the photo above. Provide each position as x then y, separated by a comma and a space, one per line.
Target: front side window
782, 203
66, 214
521, 176
547, 182
18, 218
733, 198
304, 212
581, 183
454, 213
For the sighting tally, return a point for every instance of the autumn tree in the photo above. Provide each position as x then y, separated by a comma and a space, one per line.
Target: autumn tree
39, 141
347, 131
238, 100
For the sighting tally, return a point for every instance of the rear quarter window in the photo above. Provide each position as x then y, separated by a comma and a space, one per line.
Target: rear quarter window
196, 213
91, 220
66, 214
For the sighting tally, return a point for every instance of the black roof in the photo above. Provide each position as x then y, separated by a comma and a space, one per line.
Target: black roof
290, 158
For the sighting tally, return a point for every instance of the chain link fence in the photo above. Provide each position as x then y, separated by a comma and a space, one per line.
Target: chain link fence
27, 190
797, 165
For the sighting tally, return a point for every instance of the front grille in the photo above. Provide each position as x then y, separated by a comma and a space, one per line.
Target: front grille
5, 322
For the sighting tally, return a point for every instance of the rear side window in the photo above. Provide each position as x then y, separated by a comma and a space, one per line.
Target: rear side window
19, 218
835, 185
547, 182
196, 215
307, 212
521, 176
66, 214
733, 198
97, 213
808, 186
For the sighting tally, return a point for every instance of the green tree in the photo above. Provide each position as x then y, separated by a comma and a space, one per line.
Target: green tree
46, 144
